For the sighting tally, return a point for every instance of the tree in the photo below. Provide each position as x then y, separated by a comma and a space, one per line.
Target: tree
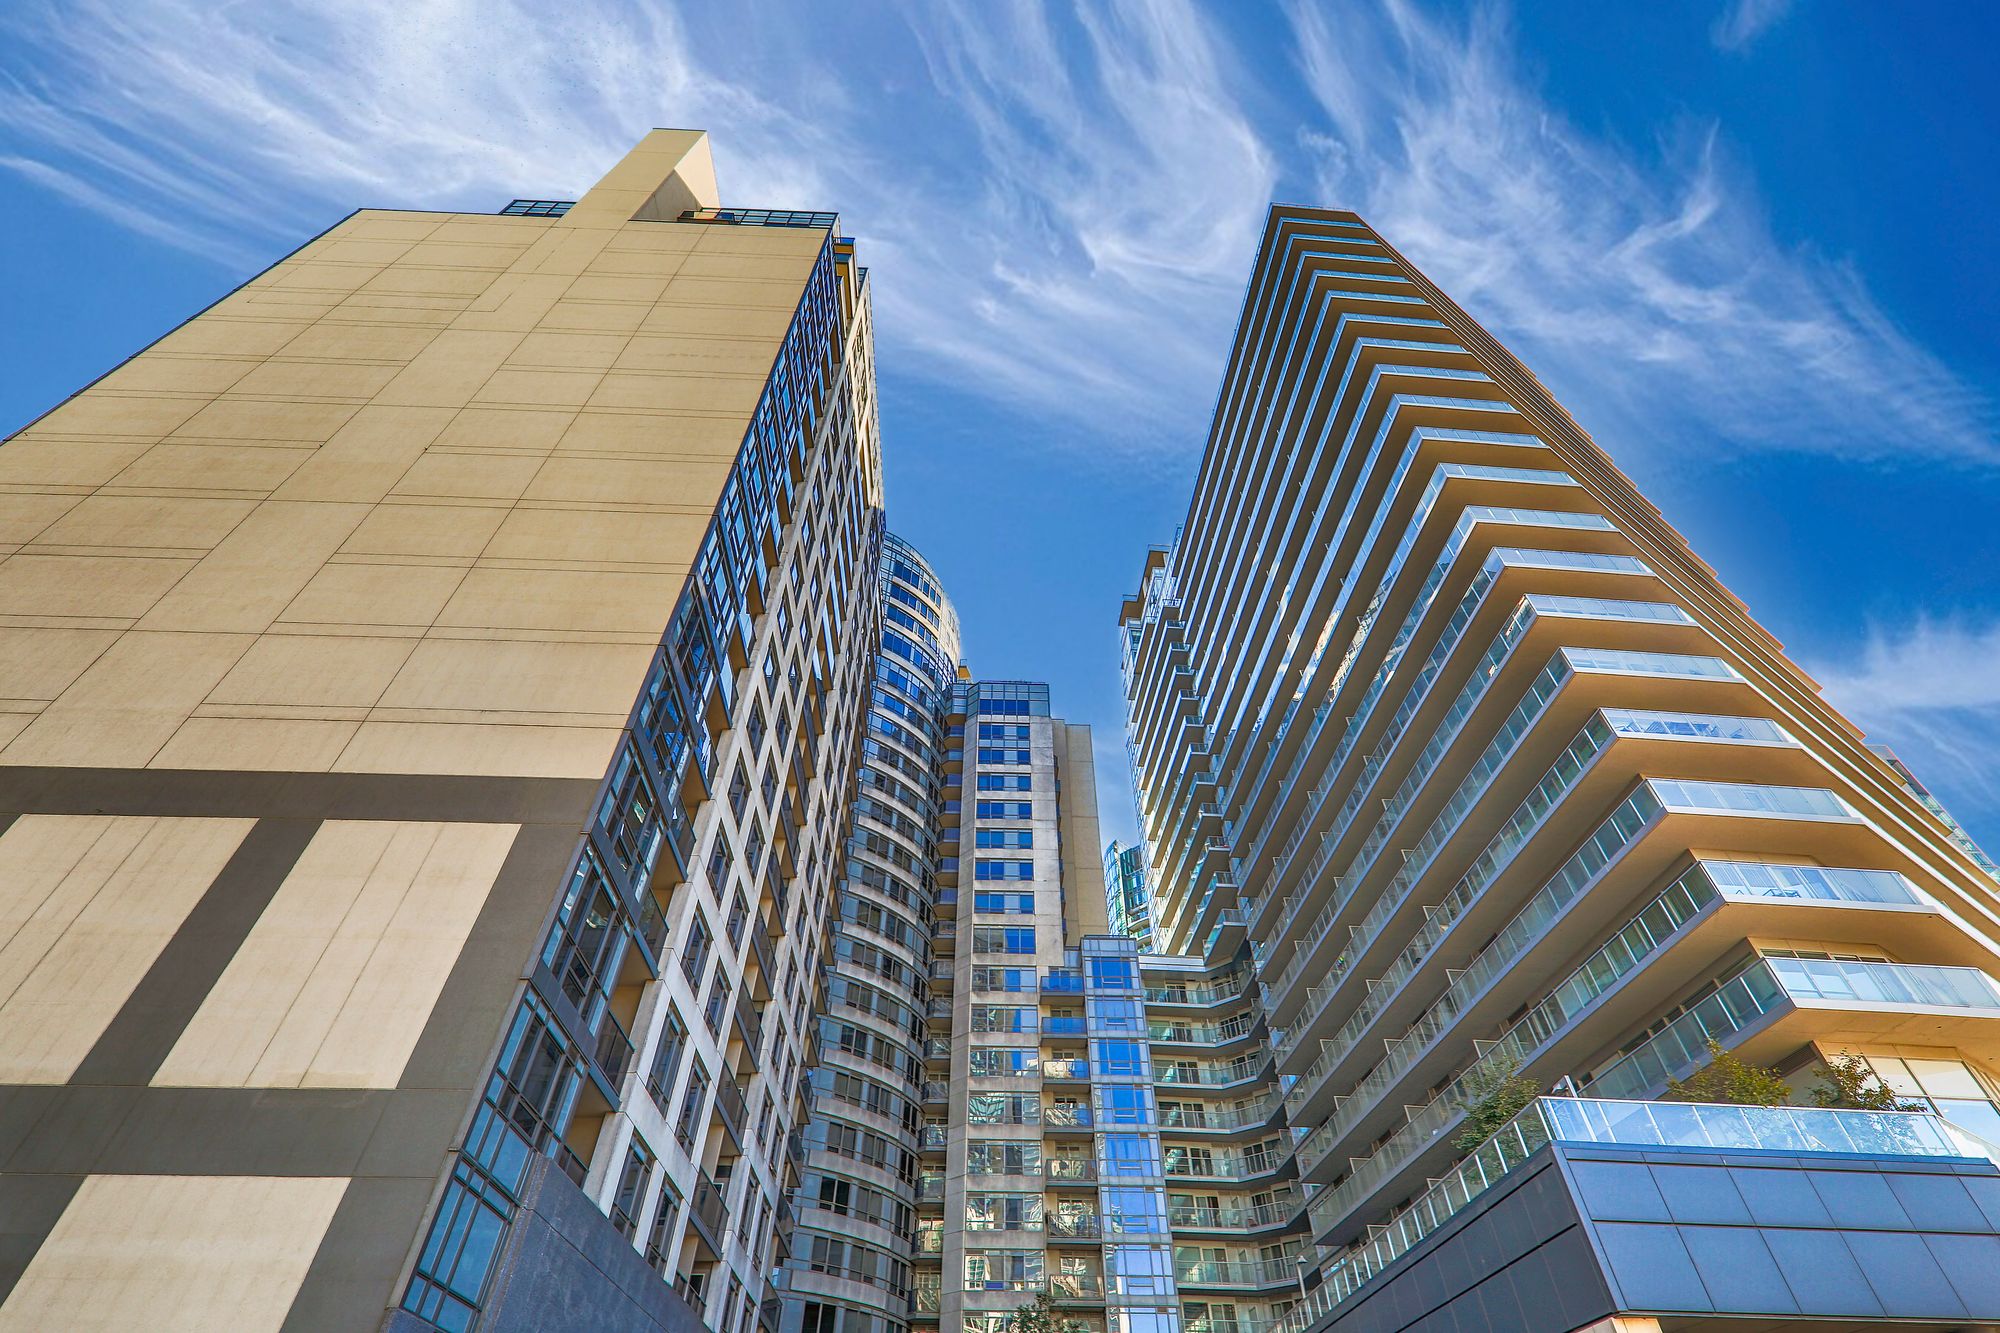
1728, 1079
1494, 1096
1847, 1083
1041, 1316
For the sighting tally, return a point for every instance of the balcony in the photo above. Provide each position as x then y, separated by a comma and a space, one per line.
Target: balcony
1224, 1120
1066, 1069
1203, 1164
1875, 1000
1245, 1274
1258, 1217
1070, 1171
1197, 993
613, 1048
729, 1102
1213, 1076
1758, 893
706, 1209
1201, 1034
1066, 1115
1073, 1226
749, 1025
1076, 1289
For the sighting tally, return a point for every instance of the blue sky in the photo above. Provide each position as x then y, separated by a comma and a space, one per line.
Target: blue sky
1748, 243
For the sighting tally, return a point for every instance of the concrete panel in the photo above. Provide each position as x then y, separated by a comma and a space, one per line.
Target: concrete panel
86, 904
334, 985
174, 1253
129, 702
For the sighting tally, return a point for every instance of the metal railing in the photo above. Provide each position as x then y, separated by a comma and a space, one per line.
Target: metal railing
761, 217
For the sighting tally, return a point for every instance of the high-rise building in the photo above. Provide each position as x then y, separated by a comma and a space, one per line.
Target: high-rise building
1508, 795
436, 674
496, 835
1125, 891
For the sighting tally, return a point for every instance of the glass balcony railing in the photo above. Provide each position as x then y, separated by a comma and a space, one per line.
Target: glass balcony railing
1207, 1165
1556, 784
1205, 1034
1770, 982
1365, 622
1619, 831
1220, 1117
1203, 1218
1073, 1226
1236, 1273
1841, 981
1196, 993
1211, 1075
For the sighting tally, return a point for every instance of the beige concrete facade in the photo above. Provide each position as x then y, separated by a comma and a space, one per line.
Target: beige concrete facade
416, 499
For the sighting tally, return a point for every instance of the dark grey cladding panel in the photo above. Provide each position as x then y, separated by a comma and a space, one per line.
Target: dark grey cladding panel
565, 1266
1776, 1236
1516, 1259
1580, 1233
1821, 1273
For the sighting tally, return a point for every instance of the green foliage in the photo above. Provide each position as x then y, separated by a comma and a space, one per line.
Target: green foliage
1041, 1316
1847, 1083
1497, 1094
1730, 1080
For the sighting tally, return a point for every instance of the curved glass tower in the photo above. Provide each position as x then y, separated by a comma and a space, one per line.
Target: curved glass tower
849, 1267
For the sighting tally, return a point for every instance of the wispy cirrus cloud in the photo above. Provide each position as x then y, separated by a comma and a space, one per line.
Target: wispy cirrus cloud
1645, 288
1930, 690
1022, 196
1058, 202
1742, 22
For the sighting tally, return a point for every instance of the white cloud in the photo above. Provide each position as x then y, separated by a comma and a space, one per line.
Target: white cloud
1058, 203
1930, 690
1647, 290
1742, 22
1025, 205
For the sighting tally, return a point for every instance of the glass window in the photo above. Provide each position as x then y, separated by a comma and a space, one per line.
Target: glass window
1118, 1058
631, 1192
1129, 1155
1002, 1061
1125, 1105
1129, 1211
667, 1061
1003, 939
1113, 973
1107, 1015
693, 1103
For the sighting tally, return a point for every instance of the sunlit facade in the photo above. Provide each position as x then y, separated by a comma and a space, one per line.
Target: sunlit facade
1434, 716
1125, 892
